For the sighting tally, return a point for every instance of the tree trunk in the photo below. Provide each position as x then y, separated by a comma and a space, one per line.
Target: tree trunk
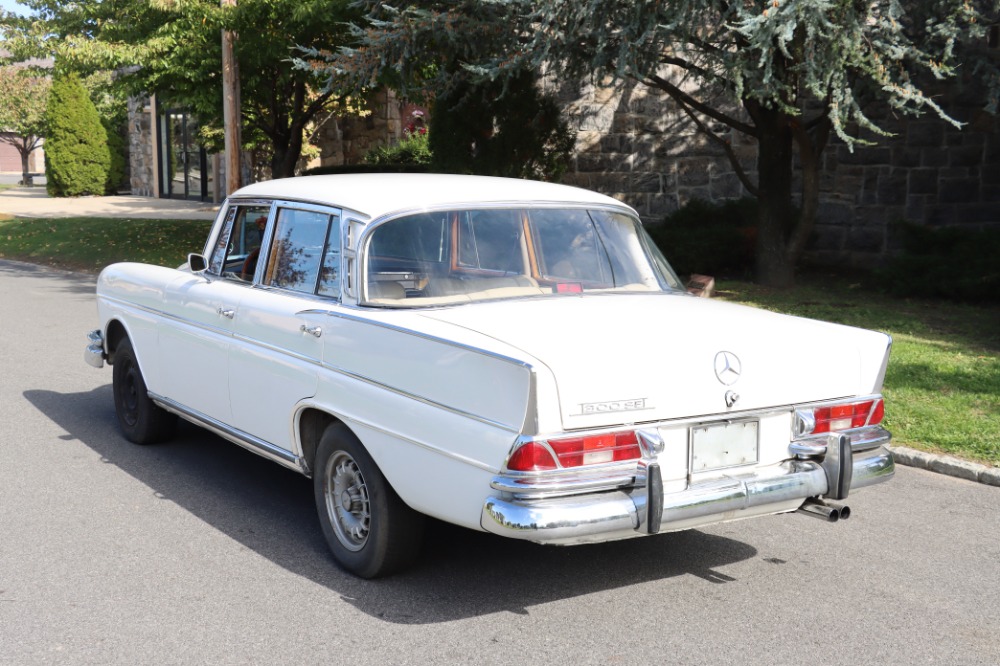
774, 266
811, 145
25, 171
285, 156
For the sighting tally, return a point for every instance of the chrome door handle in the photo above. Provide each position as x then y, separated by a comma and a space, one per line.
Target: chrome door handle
314, 331
228, 314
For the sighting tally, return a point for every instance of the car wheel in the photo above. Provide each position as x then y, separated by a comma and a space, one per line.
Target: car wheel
139, 417
369, 529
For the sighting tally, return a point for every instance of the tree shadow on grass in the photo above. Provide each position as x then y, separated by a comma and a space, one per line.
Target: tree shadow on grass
460, 573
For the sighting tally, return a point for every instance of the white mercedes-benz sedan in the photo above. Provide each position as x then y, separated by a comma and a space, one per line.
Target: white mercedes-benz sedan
505, 355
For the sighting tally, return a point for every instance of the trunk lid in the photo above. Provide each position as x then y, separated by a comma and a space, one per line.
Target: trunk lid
633, 358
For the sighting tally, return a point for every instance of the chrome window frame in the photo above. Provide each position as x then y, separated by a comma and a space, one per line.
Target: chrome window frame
364, 242
277, 205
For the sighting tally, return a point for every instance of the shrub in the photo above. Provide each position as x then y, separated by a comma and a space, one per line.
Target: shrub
367, 168
414, 148
76, 148
710, 238
951, 262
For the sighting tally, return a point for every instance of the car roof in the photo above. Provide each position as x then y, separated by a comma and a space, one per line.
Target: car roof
378, 194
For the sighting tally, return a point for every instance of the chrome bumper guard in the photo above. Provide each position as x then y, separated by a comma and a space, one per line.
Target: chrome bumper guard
644, 508
94, 354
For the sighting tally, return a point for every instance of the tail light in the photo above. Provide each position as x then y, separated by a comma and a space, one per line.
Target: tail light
538, 455
833, 418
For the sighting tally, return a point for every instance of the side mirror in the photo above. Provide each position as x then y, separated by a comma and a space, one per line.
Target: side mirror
197, 263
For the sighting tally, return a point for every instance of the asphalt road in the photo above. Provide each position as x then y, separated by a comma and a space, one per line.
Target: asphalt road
199, 552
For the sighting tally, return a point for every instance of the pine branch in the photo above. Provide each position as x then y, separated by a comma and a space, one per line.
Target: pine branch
680, 96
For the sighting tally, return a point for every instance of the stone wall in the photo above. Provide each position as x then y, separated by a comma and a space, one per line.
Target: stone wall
346, 140
634, 144
930, 173
141, 156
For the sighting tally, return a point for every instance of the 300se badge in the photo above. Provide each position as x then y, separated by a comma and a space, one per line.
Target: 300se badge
447, 346
614, 406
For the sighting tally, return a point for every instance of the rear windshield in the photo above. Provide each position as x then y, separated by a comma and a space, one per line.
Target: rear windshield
458, 256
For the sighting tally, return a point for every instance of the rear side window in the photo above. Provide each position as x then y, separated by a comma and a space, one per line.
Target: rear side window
305, 252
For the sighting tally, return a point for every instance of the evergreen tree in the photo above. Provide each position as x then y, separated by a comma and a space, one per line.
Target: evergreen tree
483, 128
76, 147
492, 126
786, 73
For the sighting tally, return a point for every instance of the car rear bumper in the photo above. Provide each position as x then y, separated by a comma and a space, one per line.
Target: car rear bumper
643, 509
94, 354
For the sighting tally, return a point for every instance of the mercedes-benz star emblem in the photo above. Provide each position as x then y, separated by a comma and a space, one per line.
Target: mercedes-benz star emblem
727, 367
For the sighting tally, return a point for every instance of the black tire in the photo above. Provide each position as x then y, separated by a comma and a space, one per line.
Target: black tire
140, 419
369, 529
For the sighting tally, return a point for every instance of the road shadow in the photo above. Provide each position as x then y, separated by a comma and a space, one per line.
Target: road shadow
69, 282
460, 573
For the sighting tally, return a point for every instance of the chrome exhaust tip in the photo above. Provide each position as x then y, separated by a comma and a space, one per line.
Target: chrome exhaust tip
829, 512
845, 511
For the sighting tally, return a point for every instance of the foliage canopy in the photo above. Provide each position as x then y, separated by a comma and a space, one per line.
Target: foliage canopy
786, 73
23, 96
174, 48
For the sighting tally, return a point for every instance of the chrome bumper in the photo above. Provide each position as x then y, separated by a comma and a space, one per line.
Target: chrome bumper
94, 354
630, 512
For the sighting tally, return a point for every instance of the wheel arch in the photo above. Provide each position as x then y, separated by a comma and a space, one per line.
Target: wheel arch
312, 422
114, 333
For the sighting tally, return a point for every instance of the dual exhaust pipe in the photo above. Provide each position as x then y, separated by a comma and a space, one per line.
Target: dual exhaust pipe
838, 463
831, 512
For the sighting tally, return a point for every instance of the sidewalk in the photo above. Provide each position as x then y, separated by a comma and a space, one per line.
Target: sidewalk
35, 202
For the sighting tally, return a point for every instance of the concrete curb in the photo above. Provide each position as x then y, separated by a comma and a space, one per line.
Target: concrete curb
933, 462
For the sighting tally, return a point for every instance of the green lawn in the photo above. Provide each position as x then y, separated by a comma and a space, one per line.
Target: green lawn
942, 387
90, 243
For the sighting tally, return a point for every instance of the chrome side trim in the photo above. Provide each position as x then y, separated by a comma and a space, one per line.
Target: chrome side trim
225, 332
418, 334
246, 440
319, 364
424, 445
582, 518
422, 400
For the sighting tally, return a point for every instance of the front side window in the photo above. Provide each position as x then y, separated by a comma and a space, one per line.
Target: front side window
238, 246
460, 256
305, 252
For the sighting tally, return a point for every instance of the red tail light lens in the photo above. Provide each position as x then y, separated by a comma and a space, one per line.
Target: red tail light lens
849, 415
576, 452
878, 413
531, 457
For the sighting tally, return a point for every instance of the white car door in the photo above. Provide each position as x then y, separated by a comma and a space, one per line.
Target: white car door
277, 349
199, 312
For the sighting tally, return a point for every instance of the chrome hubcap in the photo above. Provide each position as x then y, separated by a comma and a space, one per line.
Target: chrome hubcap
347, 501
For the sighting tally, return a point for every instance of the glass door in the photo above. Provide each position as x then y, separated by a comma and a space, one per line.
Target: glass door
185, 171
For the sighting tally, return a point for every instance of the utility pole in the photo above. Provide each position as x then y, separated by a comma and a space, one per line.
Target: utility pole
231, 107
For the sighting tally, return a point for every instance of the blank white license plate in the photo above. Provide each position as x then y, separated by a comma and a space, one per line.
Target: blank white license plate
723, 445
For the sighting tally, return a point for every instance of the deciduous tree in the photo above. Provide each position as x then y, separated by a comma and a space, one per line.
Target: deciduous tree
23, 97
173, 48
